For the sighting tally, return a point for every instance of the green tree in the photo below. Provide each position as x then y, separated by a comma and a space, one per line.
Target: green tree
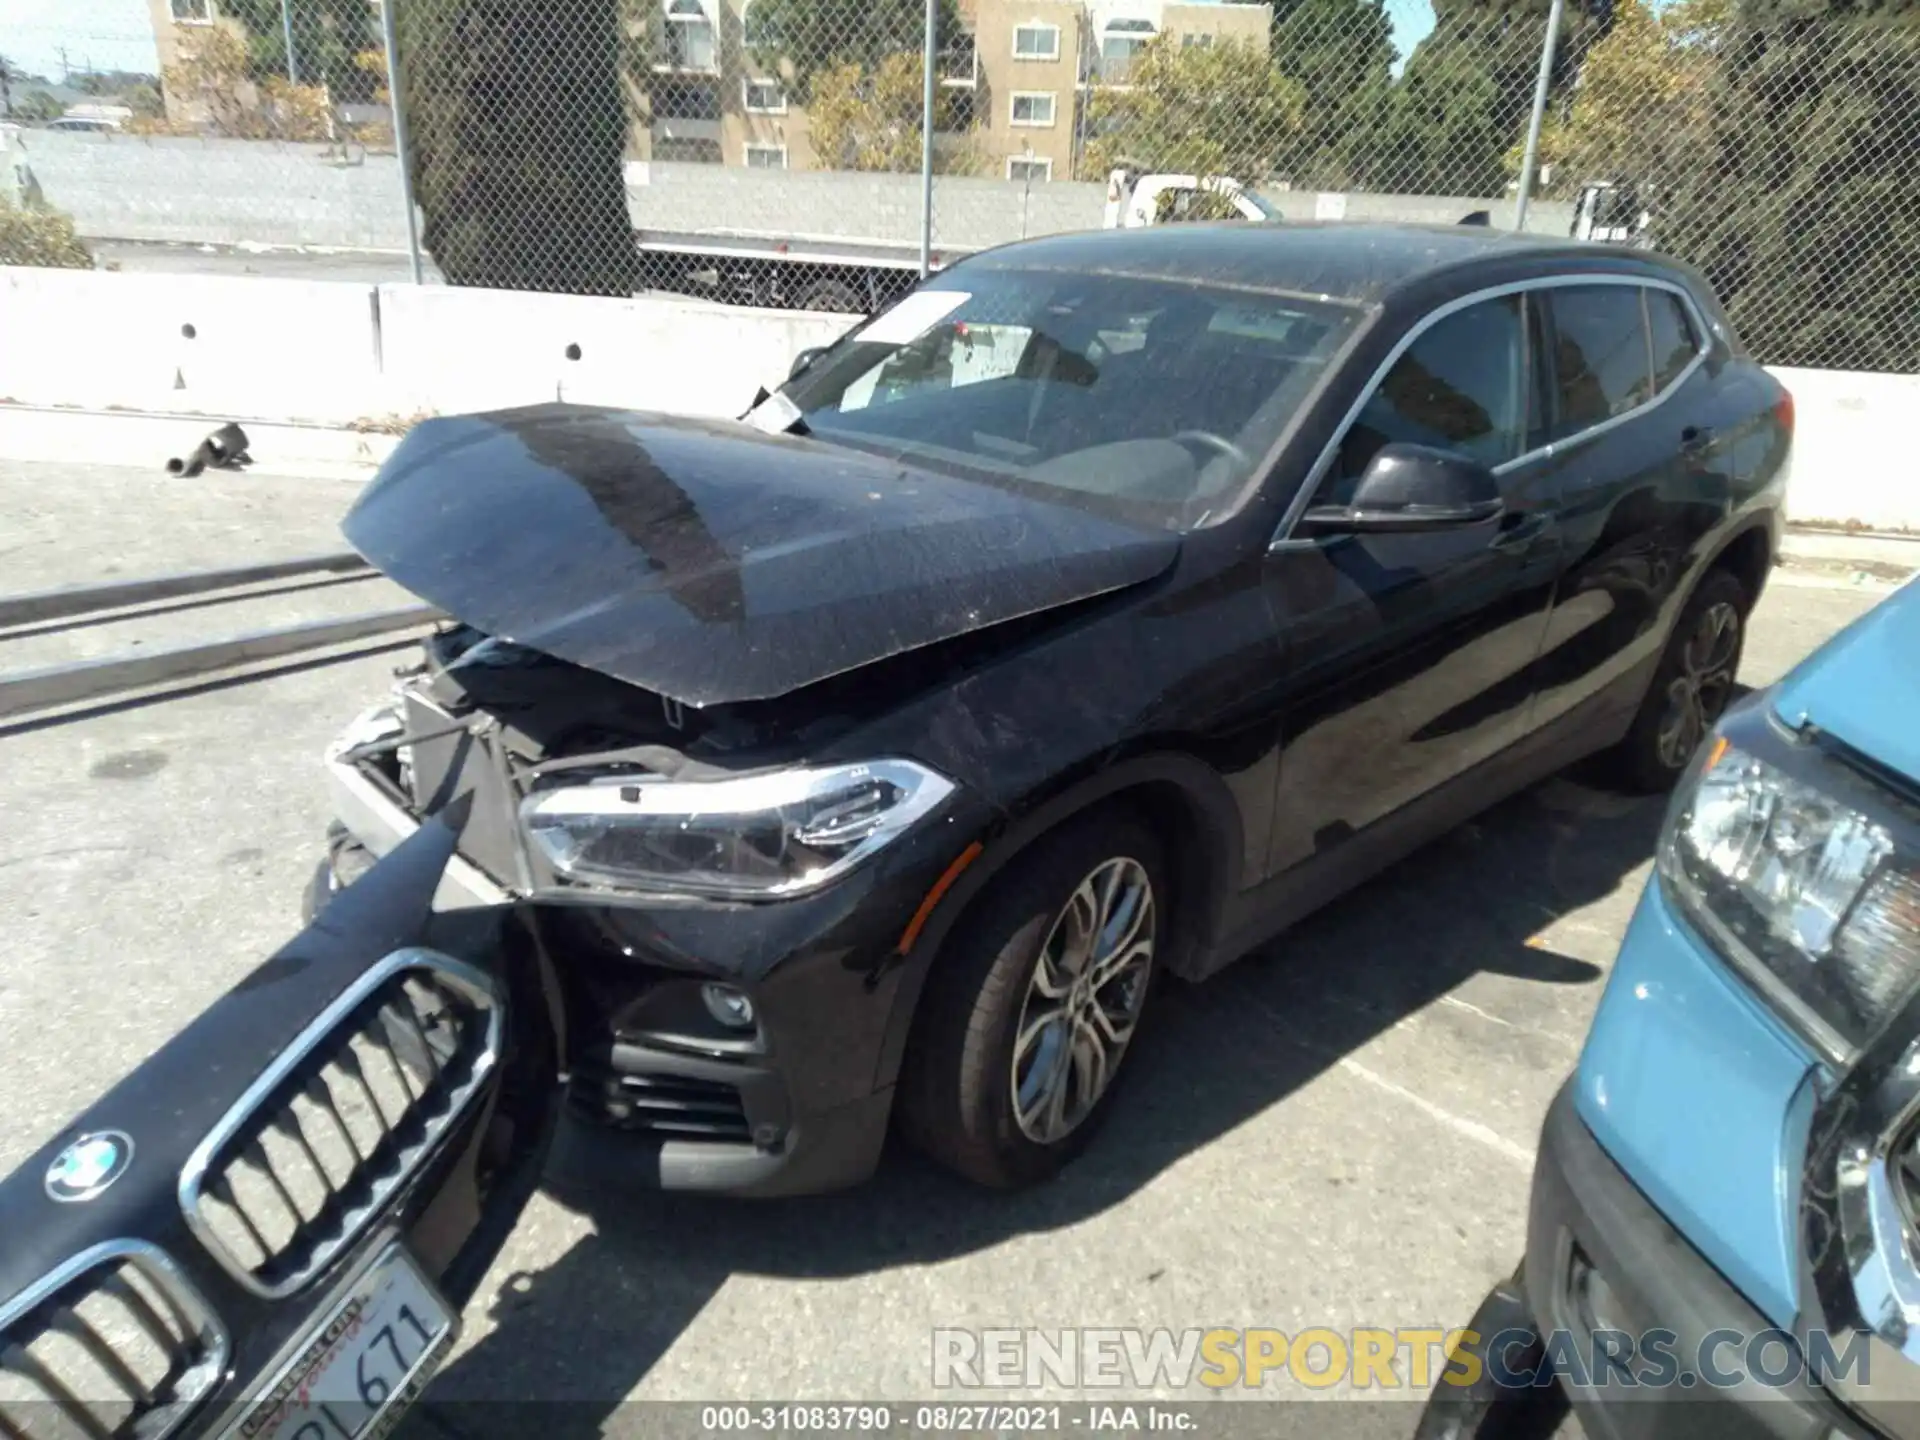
519, 130
1340, 53
864, 118
1800, 204
327, 35
1465, 96
213, 82
109, 84
801, 39
1637, 112
35, 235
36, 107
1220, 109
143, 97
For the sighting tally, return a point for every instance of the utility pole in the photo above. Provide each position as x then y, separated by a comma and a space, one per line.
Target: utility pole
286, 29
928, 60
66, 70
1529, 159
390, 39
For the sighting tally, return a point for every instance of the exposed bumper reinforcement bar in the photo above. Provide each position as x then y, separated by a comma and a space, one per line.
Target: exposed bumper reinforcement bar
381, 825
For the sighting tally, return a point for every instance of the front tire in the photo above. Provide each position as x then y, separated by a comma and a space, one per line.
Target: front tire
1690, 690
1034, 1003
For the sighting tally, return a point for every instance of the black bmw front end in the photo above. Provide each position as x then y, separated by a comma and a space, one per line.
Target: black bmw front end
670, 705
271, 1227
731, 1045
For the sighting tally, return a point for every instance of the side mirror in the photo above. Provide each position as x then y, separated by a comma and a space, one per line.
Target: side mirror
1411, 488
805, 359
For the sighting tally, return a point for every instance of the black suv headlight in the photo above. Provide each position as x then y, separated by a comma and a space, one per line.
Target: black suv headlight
1803, 873
764, 836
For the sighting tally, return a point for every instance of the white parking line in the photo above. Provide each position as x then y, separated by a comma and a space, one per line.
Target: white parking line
1459, 1124
1457, 1003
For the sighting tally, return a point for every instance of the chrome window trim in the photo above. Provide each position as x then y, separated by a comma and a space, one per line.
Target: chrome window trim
476, 984
191, 1308
1283, 533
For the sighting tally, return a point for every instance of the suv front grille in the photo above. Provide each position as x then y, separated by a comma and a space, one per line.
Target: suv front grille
115, 1343
671, 1107
299, 1169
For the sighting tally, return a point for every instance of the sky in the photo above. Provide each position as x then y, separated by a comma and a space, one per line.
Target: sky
1412, 22
108, 34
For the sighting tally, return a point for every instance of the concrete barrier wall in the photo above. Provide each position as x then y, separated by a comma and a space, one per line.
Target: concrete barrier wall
449, 350
374, 357
1854, 459
335, 353
292, 349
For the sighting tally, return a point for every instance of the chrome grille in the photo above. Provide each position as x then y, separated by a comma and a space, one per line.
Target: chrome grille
115, 1343
296, 1172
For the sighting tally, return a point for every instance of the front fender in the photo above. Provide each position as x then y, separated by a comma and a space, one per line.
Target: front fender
1209, 869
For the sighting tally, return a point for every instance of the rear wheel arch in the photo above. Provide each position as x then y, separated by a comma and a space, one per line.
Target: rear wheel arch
1179, 796
1748, 555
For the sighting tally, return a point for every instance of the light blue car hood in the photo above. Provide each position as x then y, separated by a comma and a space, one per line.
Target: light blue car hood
1863, 686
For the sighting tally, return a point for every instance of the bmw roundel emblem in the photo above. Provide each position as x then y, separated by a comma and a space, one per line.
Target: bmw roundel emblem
89, 1165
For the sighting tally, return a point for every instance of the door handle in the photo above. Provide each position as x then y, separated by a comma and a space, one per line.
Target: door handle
1518, 532
1695, 439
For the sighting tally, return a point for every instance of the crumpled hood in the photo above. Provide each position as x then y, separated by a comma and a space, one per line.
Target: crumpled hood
710, 562
1863, 686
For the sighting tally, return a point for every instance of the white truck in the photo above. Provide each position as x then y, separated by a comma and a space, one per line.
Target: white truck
1612, 213
1134, 200
861, 277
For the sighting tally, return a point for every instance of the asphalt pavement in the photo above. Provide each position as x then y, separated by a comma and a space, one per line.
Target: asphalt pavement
1337, 1132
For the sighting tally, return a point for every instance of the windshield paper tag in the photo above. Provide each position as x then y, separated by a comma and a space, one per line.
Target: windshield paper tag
913, 317
774, 415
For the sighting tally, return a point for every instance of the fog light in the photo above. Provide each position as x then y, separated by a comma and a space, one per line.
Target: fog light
1594, 1303
728, 1006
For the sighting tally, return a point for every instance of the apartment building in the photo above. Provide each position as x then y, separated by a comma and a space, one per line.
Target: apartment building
176, 23
1014, 89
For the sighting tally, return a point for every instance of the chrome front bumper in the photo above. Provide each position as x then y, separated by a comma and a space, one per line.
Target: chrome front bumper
376, 821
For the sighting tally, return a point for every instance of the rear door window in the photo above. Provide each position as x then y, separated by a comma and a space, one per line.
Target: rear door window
1675, 341
1602, 362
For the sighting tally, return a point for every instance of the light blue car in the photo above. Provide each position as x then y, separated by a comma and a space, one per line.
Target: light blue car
1726, 1207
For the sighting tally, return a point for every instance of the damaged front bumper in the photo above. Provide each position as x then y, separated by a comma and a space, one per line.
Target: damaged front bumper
374, 816
269, 1230
795, 1101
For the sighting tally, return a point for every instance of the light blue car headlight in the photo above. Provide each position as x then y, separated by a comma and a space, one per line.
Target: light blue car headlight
1814, 901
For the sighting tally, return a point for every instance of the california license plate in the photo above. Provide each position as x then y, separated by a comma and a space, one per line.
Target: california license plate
363, 1365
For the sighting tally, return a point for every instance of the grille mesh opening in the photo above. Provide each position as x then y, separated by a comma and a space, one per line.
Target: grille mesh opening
666, 1106
119, 1348
297, 1176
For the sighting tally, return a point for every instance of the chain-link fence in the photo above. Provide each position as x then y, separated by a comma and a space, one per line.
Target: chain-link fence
770, 152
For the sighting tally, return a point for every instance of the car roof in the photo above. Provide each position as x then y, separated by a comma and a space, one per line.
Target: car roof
1344, 261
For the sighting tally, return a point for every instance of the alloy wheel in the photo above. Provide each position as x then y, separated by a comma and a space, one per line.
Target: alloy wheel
1084, 1001
1700, 692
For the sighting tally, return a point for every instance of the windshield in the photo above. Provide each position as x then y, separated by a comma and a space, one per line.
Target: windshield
1148, 398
